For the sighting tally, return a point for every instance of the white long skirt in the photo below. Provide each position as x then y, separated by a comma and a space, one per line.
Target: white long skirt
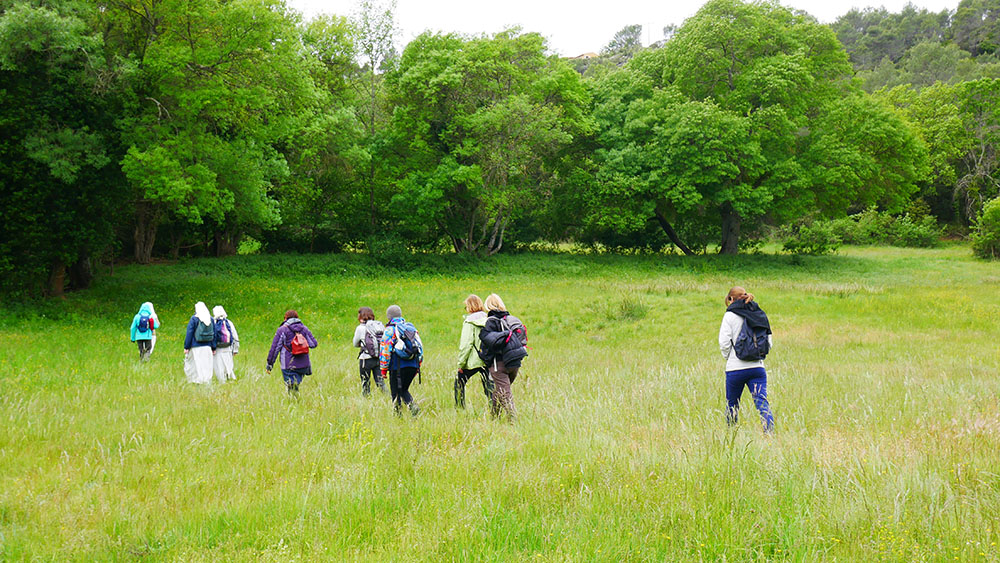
224, 364
198, 365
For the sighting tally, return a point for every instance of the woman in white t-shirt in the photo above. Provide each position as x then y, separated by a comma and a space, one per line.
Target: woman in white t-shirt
752, 345
367, 336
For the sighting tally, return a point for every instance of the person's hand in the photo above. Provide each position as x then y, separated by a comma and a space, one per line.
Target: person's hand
267, 370
384, 372
187, 351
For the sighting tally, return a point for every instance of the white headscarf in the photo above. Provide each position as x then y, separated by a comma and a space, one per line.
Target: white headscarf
201, 311
218, 312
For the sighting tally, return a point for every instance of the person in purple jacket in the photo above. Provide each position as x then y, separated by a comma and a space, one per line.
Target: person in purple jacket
294, 353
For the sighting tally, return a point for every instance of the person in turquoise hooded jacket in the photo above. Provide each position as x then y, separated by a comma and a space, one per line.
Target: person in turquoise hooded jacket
143, 330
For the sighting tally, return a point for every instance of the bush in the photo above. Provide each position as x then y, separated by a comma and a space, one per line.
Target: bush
986, 234
389, 250
816, 239
906, 231
872, 227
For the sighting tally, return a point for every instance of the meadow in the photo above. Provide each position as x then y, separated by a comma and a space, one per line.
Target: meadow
883, 380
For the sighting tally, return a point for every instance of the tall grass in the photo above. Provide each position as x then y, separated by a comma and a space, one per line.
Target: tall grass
883, 381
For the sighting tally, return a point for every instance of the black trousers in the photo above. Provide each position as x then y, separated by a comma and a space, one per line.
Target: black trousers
145, 348
369, 370
463, 376
399, 386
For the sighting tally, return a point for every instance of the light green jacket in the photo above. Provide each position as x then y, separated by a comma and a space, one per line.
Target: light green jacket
468, 358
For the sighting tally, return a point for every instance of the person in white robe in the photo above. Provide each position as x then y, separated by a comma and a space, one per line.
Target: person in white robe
227, 347
200, 345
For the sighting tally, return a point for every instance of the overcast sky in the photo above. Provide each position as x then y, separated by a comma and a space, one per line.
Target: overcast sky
571, 27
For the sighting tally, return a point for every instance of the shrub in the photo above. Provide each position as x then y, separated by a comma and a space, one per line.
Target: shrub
906, 231
986, 234
872, 227
816, 239
390, 251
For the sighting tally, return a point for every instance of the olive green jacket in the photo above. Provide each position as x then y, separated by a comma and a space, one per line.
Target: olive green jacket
468, 357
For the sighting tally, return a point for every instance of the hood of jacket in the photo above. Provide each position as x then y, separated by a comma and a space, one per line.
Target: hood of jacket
147, 307
477, 319
291, 321
498, 314
752, 314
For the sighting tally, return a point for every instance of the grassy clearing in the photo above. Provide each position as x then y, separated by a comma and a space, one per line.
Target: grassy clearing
883, 382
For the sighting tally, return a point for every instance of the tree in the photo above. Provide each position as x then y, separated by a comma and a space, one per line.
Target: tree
58, 187
975, 26
479, 128
979, 103
729, 122
624, 45
217, 87
936, 117
375, 33
875, 34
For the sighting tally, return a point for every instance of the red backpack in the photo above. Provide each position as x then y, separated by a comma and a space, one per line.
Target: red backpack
299, 345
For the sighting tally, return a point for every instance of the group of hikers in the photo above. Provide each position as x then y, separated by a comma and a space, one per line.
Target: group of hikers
492, 345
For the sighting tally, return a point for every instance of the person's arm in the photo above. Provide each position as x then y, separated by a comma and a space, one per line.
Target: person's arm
359, 335
134, 327
385, 348
273, 353
489, 337
725, 338
465, 343
155, 321
310, 339
189, 335
235, 344
215, 336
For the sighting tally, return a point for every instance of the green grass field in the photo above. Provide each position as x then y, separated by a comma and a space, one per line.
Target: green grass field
883, 380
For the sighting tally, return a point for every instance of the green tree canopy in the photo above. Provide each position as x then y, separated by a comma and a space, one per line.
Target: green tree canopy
479, 127
747, 113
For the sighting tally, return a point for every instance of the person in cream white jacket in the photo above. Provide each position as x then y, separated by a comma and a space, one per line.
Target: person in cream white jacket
741, 308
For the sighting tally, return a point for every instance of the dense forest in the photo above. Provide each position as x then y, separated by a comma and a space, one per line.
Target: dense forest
141, 129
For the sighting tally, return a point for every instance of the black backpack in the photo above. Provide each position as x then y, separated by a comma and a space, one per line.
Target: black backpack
751, 344
204, 333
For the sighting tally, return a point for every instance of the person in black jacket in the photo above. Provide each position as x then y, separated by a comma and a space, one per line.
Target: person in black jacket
503, 340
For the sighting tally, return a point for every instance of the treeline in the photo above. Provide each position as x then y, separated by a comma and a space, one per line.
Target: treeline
157, 128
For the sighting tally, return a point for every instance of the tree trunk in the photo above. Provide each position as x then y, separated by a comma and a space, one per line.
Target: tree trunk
730, 230
81, 274
146, 220
57, 279
225, 244
669, 229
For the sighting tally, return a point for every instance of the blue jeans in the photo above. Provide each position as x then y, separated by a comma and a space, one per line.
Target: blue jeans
292, 377
756, 380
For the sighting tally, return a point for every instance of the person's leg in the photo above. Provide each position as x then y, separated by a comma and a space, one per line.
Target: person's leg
144, 349
406, 376
461, 378
734, 390
758, 391
501, 388
487, 381
394, 389
366, 373
292, 380
376, 374
509, 397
